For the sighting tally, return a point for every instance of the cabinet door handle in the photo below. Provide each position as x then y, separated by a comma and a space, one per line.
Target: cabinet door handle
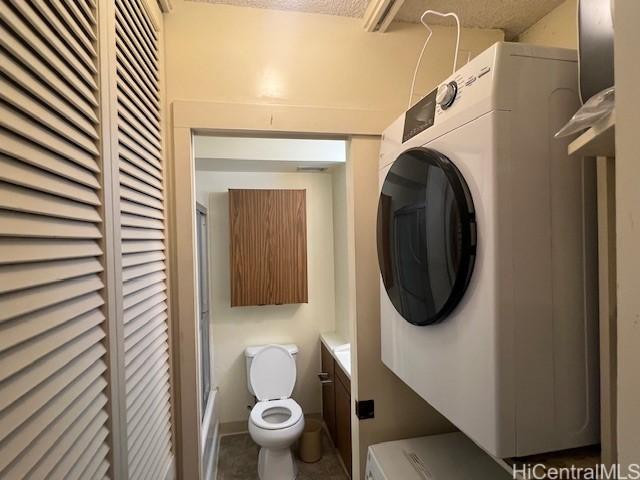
325, 382
324, 378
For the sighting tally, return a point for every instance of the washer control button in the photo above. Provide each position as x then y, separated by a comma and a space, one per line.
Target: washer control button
446, 94
484, 71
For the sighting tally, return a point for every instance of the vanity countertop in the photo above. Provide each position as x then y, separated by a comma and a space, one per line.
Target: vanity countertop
340, 350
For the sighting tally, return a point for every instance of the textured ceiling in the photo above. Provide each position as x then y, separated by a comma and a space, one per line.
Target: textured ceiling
344, 8
513, 16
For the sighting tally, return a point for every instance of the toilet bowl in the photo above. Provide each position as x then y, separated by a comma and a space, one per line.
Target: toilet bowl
276, 421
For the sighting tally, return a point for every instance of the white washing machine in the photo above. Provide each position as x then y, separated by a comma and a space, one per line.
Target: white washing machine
451, 456
487, 252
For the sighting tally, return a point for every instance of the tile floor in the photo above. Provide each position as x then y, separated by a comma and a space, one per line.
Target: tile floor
238, 460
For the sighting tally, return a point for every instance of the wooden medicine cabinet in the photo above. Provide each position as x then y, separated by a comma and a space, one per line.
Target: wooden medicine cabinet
268, 247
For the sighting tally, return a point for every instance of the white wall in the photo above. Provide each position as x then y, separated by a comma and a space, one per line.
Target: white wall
340, 251
235, 328
225, 53
627, 39
558, 28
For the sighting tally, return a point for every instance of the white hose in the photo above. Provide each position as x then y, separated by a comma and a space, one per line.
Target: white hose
455, 56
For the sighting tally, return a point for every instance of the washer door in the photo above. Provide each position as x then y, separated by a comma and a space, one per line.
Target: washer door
426, 235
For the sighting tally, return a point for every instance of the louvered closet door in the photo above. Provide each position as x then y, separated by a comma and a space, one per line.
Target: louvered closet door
141, 192
53, 418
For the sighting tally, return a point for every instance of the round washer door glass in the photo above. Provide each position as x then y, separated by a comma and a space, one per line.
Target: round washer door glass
426, 235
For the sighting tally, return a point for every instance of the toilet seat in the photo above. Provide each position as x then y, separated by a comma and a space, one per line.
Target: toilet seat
287, 404
273, 373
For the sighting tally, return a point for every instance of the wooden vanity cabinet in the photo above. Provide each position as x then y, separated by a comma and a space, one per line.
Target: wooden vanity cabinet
268, 247
343, 417
336, 405
328, 391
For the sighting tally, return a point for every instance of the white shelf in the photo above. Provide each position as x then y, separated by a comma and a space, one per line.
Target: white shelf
598, 141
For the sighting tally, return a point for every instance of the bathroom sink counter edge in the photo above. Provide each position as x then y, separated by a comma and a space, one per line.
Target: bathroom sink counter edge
340, 350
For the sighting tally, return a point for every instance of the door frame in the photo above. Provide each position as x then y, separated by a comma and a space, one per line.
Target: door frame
187, 119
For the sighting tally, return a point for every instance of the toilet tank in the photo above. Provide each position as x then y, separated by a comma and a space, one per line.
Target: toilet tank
250, 353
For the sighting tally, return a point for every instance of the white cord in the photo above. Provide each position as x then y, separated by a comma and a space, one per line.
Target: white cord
455, 56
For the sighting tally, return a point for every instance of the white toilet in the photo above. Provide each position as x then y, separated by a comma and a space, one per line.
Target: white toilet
276, 421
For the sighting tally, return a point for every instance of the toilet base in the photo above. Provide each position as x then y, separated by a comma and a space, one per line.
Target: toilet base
276, 464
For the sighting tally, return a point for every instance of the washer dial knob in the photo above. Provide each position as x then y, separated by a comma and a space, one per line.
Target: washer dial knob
446, 94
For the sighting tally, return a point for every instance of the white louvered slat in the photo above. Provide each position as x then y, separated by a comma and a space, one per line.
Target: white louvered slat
49, 438
141, 222
142, 233
143, 305
18, 277
132, 259
45, 367
146, 447
147, 134
131, 90
38, 347
142, 49
137, 393
156, 376
17, 224
32, 154
130, 273
19, 173
141, 175
143, 282
133, 158
83, 50
53, 403
136, 246
26, 80
85, 70
129, 139
141, 295
140, 186
161, 458
140, 197
82, 21
70, 23
162, 467
40, 421
84, 438
134, 110
19, 250
138, 342
19, 199
47, 75
15, 416
45, 116
23, 302
21, 329
101, 471
23, 30
146, 408
139, 209
95, 450
135, 233
128, 70
24, 125
141, 323
91, 418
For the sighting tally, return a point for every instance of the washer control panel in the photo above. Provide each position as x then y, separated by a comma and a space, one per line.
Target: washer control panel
447, 94
456, 89
470, 84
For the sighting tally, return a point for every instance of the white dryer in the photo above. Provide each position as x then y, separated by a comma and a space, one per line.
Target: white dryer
487, 252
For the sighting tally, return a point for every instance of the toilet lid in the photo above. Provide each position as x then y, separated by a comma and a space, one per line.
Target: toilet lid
273, 373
